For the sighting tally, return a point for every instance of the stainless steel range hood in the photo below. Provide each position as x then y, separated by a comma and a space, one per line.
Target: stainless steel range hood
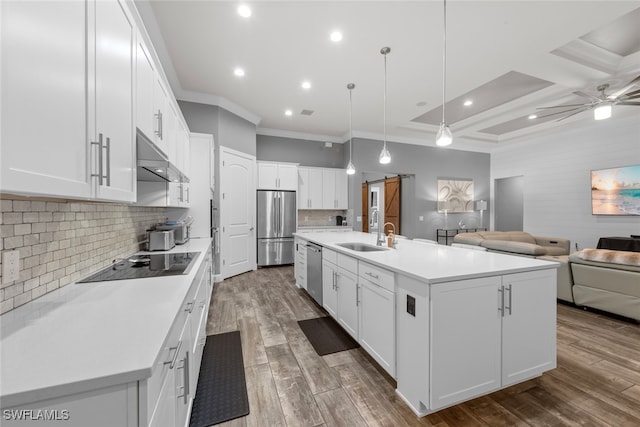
153, 164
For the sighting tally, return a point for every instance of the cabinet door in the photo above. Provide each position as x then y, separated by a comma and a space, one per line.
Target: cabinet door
328, 189
182, 387
114, 128
348, 302
288, 177
465, 340
45, 150
267, 176
528, 325
377, 324
342, 189
145, 81
329, 288
160, 101
315, 188
165, 413
303, 188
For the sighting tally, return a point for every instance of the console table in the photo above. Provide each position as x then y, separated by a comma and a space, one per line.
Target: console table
619, 243
448, 233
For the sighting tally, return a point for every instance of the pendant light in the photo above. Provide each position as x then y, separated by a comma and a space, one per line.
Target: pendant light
444, 136
385, 157
351, 169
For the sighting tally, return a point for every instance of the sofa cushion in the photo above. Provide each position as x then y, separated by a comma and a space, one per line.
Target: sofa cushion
607, 258
515, 236
514, 246
554, 250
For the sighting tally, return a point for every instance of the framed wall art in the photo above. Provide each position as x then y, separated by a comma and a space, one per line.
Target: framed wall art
455, 195
616, 191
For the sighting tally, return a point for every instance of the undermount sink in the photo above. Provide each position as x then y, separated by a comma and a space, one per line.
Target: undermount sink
361, 247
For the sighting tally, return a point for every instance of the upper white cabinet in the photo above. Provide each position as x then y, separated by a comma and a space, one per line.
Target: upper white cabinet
322, 188
309, 188
73, 136
277, 176
145, 84
334, 189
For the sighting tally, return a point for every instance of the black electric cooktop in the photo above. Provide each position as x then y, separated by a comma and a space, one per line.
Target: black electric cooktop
141, 266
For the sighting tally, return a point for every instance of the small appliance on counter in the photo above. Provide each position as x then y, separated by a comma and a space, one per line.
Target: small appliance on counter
181, 229
161, 240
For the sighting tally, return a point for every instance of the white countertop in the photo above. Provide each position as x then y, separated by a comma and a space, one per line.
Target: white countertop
430, 263
90, 335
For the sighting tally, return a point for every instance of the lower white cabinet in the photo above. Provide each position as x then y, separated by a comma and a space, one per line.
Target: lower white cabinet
377, 324
300, 266
329, 287
489, 333
347, 284
340, 289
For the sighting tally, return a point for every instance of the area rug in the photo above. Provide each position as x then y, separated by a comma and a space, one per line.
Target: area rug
221, 394
326, 336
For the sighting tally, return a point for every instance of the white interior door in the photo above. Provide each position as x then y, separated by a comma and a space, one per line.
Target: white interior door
237, 212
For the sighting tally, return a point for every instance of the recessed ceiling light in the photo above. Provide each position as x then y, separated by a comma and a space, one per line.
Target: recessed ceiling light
239, 72
336, 36
306, 85
288, 113
532, 116
244, 11
468, 102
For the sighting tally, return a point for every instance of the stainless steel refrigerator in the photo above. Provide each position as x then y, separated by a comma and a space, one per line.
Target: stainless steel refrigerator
276, 225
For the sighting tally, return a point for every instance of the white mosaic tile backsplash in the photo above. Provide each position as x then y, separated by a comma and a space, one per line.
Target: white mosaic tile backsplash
62, 242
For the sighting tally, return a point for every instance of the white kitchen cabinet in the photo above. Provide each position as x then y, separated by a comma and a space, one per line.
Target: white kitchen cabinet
160, 113
277, 176
489, 333
376, 306
51, 150
309, 188
145, 84
347, 284
300, 265
329, 287
334, 189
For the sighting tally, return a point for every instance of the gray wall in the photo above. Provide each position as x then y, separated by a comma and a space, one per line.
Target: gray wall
305, 152
419, 193
227, 129
509, 198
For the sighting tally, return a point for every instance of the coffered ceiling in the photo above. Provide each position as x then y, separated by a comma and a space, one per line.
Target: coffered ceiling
507, 57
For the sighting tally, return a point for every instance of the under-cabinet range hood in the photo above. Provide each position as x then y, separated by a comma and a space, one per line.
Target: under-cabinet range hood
153, 165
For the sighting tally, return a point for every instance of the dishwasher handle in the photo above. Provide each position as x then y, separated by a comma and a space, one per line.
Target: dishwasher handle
314, 248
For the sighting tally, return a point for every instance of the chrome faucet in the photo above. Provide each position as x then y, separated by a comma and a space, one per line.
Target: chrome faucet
375, 214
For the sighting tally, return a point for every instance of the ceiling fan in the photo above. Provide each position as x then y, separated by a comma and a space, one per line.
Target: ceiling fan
601, 105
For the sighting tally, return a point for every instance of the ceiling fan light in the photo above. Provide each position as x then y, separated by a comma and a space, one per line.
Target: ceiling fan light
444, 136
385, 157
351, 169
602, 111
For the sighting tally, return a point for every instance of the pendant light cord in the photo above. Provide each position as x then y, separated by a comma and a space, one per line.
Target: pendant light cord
350, 129
384, 117
444, 60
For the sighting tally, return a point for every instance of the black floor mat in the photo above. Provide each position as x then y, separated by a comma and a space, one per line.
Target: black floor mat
326, 336
221, 394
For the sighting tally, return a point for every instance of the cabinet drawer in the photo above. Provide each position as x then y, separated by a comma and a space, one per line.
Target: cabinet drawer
377, 275
329, 255
348, 263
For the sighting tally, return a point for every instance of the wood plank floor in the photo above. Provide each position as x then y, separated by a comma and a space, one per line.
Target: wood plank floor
597, 382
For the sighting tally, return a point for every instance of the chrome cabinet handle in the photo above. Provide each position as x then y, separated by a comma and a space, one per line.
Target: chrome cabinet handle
510, 289
357, 296
189, 306
158, 116
172, 362
375, 276
99, 144
108, 176
501, 306
186, 378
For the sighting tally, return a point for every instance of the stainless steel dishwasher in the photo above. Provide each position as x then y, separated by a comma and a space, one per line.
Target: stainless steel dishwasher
314, 271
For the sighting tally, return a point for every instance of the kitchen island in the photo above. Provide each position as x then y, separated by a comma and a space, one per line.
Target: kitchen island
122, 352
449, 324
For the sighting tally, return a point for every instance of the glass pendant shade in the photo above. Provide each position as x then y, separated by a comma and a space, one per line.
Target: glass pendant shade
351, 169
444, 136
385, 157
602, 111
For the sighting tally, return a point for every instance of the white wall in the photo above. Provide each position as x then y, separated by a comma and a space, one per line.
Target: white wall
557, 178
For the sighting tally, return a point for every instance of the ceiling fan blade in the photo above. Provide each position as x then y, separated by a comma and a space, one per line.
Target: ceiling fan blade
578, 110
564, 106
637, 103
631, 95
586, 95
566, 117
628, 86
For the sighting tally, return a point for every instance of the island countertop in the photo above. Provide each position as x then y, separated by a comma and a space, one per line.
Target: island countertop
427, 262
